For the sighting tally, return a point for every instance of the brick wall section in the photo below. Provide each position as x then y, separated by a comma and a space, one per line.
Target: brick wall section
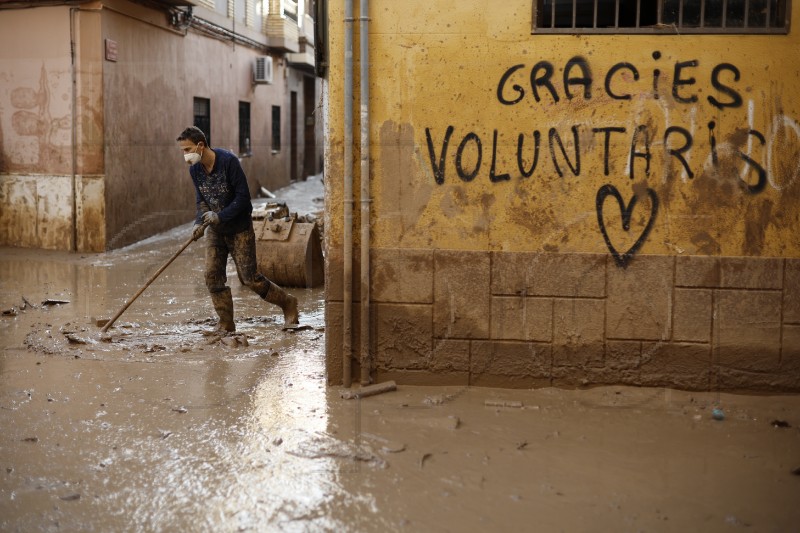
531, 319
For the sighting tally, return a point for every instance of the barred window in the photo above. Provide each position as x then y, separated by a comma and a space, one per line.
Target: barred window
662, 16
202, 116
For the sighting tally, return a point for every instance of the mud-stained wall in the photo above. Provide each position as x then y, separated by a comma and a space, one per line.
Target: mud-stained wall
110, 173
38, 178
150, 91
573, 209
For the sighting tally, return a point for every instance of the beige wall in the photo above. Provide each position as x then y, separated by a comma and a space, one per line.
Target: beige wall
485, 272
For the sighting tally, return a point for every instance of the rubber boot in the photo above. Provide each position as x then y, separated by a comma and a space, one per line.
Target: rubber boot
223, 305
286, 302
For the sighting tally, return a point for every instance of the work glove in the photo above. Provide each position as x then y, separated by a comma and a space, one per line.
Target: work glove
197, 231
210, 217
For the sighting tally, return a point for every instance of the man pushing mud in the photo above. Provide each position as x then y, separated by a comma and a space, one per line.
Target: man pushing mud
223, 204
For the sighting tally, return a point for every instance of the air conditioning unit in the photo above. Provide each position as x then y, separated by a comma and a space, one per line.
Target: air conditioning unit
262, 69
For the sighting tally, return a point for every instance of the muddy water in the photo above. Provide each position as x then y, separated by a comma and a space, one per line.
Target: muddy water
163, 428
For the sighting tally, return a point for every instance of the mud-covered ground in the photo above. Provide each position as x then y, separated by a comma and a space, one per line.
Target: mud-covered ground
163, 428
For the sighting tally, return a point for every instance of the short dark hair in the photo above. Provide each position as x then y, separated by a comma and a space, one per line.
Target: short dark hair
194, 134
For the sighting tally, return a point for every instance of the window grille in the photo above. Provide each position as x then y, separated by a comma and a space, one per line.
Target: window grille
244, 128
662, 16
202, 116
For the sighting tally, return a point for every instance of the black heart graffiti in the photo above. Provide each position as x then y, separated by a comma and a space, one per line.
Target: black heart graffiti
609, 190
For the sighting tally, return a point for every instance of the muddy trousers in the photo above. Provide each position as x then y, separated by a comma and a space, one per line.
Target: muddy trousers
242, 247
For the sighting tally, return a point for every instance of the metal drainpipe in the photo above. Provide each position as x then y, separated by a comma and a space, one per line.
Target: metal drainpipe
366, 361
347, 312
74, 126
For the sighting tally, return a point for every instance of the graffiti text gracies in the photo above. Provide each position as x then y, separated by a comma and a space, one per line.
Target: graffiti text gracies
539, 84
524, 151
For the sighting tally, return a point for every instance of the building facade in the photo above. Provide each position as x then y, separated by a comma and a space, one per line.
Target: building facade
94, 93
566, 193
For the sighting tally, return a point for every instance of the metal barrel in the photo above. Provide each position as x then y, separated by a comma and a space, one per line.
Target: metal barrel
290, 252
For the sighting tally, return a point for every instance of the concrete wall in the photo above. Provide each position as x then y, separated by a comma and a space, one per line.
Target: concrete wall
110, 173
630, 219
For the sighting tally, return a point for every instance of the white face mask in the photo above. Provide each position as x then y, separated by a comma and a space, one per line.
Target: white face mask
192, 158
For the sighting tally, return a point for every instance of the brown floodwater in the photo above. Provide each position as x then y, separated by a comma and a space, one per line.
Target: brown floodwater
163, 428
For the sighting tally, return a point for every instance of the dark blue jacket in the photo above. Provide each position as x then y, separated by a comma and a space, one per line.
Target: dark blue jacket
225, 192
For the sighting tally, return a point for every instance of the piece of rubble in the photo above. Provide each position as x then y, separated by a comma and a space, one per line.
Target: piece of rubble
369, 390
51, 301
74, 339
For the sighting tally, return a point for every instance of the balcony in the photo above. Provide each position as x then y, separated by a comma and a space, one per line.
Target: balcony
304, 58
282, 30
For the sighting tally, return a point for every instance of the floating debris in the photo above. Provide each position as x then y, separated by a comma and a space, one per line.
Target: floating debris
10, 312
780, 424
70, 497
181, 410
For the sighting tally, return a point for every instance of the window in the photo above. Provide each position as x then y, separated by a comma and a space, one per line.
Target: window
662, 16
202, 116
290, 9
276, 128
244, 128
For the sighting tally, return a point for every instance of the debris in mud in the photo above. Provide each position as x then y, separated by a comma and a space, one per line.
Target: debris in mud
796, 471
70, 497
396, 447
780, 424
503, 403
718, 414
425, 457
522, 445
26, 303
181, 410
369, 390
150, 348
320, 447
74, 339
229, 340
10, 312
163, 434
100, 322
50, 302
438, 399
278, 441
293, 328
30, 439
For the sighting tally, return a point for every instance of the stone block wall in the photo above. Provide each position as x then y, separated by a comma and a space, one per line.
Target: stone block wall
540, 319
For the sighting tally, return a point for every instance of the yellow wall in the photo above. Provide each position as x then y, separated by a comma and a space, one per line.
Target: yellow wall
436, 65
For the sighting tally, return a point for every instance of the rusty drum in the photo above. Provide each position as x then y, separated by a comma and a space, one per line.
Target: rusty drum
289, 252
